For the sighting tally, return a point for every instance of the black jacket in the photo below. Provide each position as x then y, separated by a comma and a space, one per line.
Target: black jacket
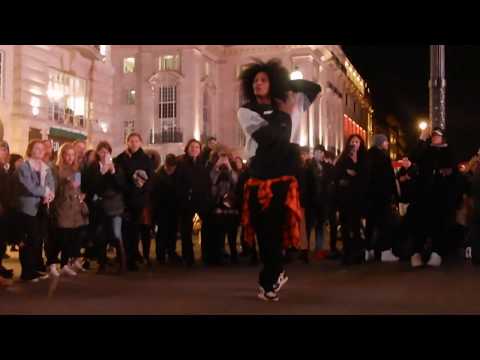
4, 189
164, 189
107, 189
193, 185
136, 198
275, 155
432, 184
350, 190
382, 186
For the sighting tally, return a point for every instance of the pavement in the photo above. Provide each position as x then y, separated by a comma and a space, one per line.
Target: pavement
319, 288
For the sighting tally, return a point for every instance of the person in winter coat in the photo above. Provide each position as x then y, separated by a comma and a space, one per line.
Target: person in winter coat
331, 204
165, 210
4, 205
225, 216
318, 176
193, 197
36, 187
382, 195
350, 179
70, 212
138, 170
207, 151
105, 186
436, 200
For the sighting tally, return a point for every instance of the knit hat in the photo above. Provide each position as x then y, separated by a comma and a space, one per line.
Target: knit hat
171, 160
379, 139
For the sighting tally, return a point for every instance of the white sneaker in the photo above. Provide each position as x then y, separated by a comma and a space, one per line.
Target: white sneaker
369, 255
388, 256
53, 270
282, 280
67, 270
468, 252
435, 260
268, 296
416, 260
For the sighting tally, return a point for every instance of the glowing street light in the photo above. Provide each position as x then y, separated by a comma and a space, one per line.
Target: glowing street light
422, 125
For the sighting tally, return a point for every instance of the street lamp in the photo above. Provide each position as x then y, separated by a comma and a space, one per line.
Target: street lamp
296, 74
422, 125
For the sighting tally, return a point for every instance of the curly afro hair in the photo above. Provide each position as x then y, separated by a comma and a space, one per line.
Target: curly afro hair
277, 75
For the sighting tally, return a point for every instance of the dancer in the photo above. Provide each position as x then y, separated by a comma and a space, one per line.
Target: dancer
271, 205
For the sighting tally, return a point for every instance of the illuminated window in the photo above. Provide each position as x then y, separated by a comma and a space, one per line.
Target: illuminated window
128, 65
67, 99
169, 63
131, 97
129, 127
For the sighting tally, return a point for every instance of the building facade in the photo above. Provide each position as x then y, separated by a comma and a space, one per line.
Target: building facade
172, 93
167, 93
56, 92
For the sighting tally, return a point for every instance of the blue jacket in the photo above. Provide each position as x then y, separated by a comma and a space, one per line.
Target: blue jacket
30, 192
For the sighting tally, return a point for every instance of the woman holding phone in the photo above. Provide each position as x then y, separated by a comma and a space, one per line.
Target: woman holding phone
70, 211
350, 180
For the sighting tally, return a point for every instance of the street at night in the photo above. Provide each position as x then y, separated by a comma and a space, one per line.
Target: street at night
325, 288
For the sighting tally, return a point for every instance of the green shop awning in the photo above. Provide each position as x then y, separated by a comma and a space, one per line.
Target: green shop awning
61, 133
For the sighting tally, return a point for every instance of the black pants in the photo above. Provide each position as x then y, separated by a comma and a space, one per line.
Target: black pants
380, 218
186, 229
268, 225
332, 221
223, 226
434, 224
166, 239
53, 245
70, 243
3, 236
134, 231
350, 220
30, 245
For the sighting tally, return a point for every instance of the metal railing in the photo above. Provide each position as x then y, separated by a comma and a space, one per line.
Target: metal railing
168, 136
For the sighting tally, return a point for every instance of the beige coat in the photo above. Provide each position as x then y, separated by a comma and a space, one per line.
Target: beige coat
69, 212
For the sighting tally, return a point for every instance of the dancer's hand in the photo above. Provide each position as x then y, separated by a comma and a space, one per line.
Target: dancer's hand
288, 105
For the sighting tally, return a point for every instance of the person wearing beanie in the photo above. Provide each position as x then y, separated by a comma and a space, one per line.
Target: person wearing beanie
382, 195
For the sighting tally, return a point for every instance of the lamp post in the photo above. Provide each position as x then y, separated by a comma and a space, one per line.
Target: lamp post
296, 74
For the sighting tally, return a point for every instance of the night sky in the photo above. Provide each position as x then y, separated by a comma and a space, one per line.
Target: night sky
398, 79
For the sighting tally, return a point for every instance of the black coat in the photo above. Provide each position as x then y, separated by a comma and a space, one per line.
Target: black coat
433, 187
4, 189
136, 198
164, 189
193, 185
109, 188
381, 187
350, 190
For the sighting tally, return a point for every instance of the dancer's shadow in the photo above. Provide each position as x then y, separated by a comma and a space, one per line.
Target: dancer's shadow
52, 286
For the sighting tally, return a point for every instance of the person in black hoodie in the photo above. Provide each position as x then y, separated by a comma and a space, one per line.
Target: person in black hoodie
271, 207
382, 194
350, 180
4, 182
138, 170
193, 196
105, 184
436, 200
165, 210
